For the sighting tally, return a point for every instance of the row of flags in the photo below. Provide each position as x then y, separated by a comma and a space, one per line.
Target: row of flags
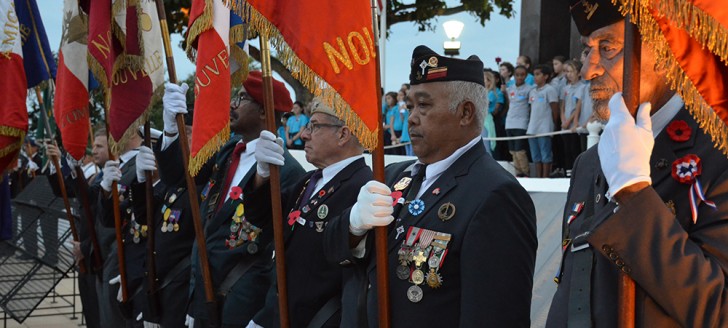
119, 44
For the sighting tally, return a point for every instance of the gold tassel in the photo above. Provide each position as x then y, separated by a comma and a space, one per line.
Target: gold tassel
15, 146
308, 78
208, 150
708, 120
700, 25
10, 131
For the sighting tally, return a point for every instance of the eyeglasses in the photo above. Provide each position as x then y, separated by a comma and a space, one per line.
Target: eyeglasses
313, 127
239, 100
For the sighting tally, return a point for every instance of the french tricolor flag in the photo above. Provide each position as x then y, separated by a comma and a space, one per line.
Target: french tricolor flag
13, 112
70, 106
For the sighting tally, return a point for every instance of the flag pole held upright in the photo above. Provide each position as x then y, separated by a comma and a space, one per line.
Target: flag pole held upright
380, 233
275, 186
61, 182
631, 94
210, 298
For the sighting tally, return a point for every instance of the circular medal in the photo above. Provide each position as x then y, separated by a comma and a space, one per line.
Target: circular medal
432, 262
176, 227
164, 227
322, 212
414, 294
167, 213
234, 227
252, 248
172, 198
240, 210
402, 272
418, 276
433, 279
136, 239
416, 207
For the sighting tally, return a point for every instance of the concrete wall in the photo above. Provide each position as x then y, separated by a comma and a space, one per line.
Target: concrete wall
546, 31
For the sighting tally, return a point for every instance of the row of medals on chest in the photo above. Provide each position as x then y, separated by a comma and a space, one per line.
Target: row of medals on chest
241, 231
170, 221
422, 251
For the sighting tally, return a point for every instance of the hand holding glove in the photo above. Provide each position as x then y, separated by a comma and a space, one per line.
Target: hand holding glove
111, 173
175, 102
268, 151
373, 208
626, 145
144, 162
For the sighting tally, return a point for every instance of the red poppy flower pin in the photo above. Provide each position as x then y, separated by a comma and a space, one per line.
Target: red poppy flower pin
236, 193
679, 131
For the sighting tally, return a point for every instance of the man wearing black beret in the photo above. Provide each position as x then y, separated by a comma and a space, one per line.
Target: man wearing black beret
651, 201
462, 231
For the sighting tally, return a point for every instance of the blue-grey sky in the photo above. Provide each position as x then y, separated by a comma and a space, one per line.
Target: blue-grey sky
498, 38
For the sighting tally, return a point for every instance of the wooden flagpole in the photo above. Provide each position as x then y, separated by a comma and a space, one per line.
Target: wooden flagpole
275, 186
631, 93
210, 298
380, 233
152, 300
59, 175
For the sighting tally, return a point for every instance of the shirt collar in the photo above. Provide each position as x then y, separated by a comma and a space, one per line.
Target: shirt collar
332, 170
249, 147
126, 157
664, 115
436, 169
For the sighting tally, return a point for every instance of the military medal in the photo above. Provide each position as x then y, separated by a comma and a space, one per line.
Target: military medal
446, 211
436, 191
252, 248
322, 212
402, 184
416, 207
320, 226
433, 279
305, 209
403, 272
671, 206
414, 294
164, 227
400, 230
176, 227
418, 276
172, 198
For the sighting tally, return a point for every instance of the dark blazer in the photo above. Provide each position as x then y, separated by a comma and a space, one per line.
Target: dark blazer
488, 271
248, 293
679, 266
311, 280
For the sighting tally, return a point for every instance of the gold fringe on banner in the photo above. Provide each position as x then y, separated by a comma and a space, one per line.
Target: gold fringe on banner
199, 26
10, 131
301, 72
208, 150
135, 61
118, 146
708, 120
238, 33
15, 146
700, 25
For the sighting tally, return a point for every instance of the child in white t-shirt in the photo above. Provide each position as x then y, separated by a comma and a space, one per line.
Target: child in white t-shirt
517, 118
544, 102
570, 96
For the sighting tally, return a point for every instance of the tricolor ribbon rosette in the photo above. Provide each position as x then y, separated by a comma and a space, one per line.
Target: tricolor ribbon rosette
687, 170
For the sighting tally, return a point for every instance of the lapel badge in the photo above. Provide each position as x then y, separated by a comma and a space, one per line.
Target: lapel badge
305, 209
321, 193
432, 62
323, 211
293, 216
436, 191
662, 164
320, 226
331, 189
400, 230
236, 193
671, 206
172, 198
416, 207
577, 207
446, 211
402, 184
396, 195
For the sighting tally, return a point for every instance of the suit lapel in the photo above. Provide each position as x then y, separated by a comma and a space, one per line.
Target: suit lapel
666, 151
226, 211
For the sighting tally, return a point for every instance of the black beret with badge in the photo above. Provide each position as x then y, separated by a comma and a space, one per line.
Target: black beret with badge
427, 66
591, 15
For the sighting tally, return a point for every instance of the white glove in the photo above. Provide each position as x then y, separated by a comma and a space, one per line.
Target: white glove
32, 167
114, 281
73, 163
189, 321
268, 150
252, 324
111, 173
373, 208
148, 324
175, 103
144, 162
625, 146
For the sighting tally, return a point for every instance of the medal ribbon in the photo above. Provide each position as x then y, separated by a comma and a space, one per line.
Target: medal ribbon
697, 189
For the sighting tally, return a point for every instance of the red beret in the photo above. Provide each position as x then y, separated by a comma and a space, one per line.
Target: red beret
281, 97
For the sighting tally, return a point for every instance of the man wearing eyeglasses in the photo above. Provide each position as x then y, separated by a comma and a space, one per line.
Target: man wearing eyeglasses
314, 285
237, 246
462, 231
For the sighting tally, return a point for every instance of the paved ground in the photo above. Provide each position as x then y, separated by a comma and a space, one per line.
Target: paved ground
56, 315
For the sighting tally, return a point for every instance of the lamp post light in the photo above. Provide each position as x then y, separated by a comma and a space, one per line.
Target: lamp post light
453, 29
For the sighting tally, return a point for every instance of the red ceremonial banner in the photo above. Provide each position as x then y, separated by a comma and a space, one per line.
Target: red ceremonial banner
70, 103
208, 43
336, 48
13, 111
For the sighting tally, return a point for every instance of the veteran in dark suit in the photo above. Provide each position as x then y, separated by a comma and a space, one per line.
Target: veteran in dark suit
237, 247
629, 207
123, 171
462, 231
314, 284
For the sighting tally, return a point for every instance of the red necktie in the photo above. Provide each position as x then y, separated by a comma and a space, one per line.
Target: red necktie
235, 160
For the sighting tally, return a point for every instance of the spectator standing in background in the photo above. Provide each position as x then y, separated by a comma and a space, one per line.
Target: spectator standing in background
493, 102
570, 110
282, 128
396, 116
559, 80
506, 72
295, 125
517, 121
525, 61
390, 103
544, 111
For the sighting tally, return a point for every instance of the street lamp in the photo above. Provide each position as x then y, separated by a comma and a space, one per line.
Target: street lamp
453, 29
